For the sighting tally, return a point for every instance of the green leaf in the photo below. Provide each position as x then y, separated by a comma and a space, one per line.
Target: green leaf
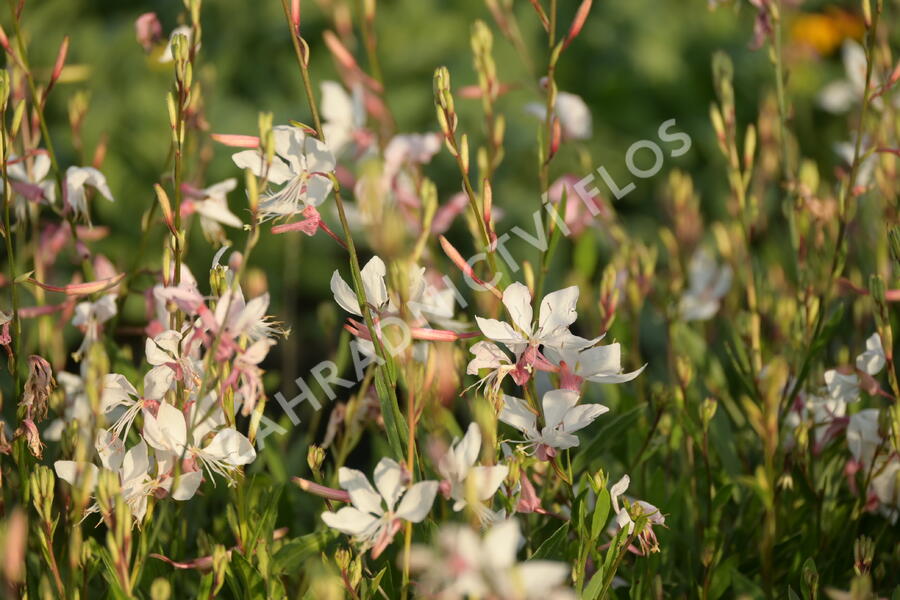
553, 545
601, 513
292, 555
594, 587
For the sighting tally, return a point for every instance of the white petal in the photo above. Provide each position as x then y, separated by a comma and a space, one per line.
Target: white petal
501, 543
499, 331
362, 494
344, 294
515, 412
158, 381
69, 470
232, 447
487, 356
388, 479
557, 312
582, 416
488, 479
277, 174
556, 404
468, 448
188, 483
417, 501
167, 430
349, 520
517, 300
373, 282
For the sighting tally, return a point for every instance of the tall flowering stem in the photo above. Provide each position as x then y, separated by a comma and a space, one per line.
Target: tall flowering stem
7, 230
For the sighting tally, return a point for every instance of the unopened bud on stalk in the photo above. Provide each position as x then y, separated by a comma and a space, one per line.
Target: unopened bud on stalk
166, 207
708, 411
42, 482
220, 559
342, 558
315, 457
17, 119
58, 65
863, 555
4, 41
252, 190
684, 371
749, 147
464, 152
4, 88
867, 13
578, 22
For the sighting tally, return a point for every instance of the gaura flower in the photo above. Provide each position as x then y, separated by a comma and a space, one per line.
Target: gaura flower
172, 359
839, 96
464, 481
75, 196
872, 361
598, 364
211, 204
372, 274
344, 115
89, 317
30, 185
375, 517
863, 437
301, 166
709, 283
562, 418
168, 431
523, 338
627, 513
845, 387
464, 565
574, 115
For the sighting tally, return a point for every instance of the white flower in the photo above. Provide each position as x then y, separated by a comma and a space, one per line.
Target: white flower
344, 115
866, 169
841, 387
133, 468
301, 163
599, 364
626, 515
562, 418
373, 283
574, 115
168, 432
240, 318
211, 204
171, 361
76, 180
463, 565
708, 285
863, 438
375, 517
410, 148
90, 316
886, 486
557, 313
839, 96
465, 481
873, 359
30, 185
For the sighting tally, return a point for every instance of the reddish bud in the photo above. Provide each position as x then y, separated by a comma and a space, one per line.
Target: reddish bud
578, 21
